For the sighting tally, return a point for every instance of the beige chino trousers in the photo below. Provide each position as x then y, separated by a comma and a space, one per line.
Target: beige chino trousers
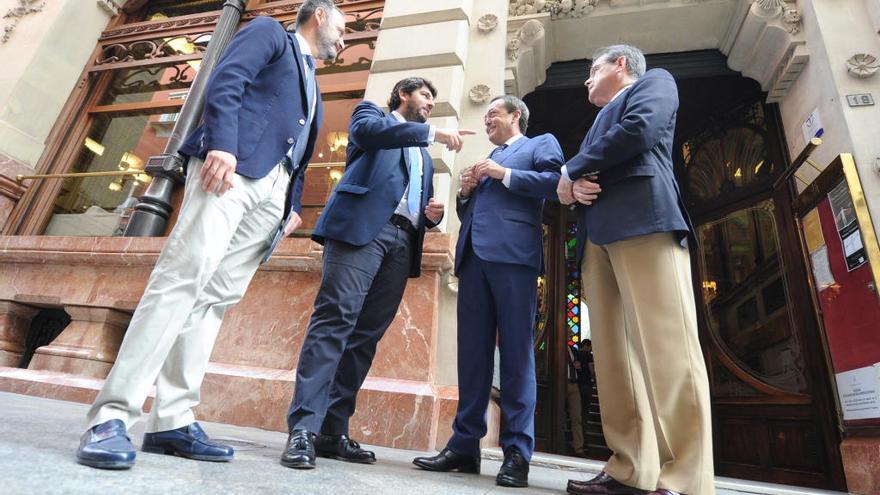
653, 387
204, 269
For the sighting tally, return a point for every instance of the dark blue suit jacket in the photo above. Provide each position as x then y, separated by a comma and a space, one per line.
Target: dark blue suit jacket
504, 225
630, 146
256, 104
376, 175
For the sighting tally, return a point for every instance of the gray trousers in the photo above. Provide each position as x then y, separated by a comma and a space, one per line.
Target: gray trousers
207, 263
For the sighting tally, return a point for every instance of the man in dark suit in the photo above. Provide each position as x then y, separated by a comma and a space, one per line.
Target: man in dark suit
632, 238
498, 258
372, 229
244, 181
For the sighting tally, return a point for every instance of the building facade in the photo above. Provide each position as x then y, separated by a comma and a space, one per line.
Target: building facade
785, 274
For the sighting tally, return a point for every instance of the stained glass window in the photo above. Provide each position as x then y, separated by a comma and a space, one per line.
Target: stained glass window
572, 287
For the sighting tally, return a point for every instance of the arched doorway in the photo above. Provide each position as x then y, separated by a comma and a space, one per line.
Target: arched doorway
771, 396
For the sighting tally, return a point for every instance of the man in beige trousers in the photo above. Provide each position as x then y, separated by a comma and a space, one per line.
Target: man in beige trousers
633, 235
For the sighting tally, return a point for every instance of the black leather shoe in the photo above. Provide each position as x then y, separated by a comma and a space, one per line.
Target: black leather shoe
342, 448
106, 446
514, 470
448, 460
188, 441
602, 484
300, 450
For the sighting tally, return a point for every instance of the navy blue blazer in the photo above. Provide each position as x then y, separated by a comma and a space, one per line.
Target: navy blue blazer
630, 147
376, 175
256, 105
504, 225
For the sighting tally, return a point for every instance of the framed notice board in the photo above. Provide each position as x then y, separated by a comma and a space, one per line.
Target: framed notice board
841, 250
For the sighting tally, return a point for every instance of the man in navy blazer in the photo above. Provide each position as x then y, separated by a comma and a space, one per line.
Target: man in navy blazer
650, 374
372, 229
243, 187
498, 258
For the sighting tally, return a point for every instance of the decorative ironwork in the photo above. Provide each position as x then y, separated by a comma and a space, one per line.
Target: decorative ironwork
362, 63
151, 79
730, 153
152, 49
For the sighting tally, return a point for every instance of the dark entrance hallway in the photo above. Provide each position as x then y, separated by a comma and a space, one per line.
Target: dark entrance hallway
773, 417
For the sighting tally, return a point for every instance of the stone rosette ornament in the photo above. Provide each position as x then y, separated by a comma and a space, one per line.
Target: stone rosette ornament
487, 23
862, 65
479, 94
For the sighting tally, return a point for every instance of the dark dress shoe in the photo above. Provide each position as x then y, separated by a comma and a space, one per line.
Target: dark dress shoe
664, 491
602, 484
300, 450
514, 470
189, 441
342, 448
448, 460
106, 446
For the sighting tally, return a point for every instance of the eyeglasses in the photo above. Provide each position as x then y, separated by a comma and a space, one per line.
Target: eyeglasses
595, 67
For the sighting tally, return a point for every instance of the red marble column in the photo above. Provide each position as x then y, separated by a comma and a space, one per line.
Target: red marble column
88, 346
861, 464
15, 319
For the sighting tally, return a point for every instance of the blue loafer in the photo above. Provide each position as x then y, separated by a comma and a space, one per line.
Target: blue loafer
106, 446
190, 442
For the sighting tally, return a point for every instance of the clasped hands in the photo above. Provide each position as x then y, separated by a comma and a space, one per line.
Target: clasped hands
583, 190
471, 176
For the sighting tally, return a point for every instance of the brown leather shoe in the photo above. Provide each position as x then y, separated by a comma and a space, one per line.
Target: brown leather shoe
603, 484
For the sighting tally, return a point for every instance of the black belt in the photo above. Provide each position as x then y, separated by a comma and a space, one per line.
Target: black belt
402, 223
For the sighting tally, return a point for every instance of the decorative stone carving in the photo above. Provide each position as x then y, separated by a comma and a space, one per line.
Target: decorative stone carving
792, 20
25, 7
526, 36
771, 7
862, 65
479, 94
558, 9
527, 53
487, 23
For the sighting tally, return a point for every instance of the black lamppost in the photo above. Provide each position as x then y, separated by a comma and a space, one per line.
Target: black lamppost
150, 216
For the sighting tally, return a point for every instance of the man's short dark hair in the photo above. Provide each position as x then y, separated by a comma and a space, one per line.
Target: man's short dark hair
512, 104
409, 85
308, 8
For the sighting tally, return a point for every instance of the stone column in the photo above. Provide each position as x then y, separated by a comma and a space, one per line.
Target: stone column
88, 346
14, 321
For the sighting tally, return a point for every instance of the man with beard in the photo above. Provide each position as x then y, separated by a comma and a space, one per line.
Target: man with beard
372, 229
244, 182
497, 260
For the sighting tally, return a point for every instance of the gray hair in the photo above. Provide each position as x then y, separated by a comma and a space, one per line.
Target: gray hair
308, 8
635, 59
512, 104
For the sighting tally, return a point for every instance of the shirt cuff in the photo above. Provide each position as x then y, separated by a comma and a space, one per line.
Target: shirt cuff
506, 179
564, 172
462, 198
431, 131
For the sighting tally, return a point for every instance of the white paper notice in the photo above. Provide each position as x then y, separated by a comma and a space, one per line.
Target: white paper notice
821, 268
859, 394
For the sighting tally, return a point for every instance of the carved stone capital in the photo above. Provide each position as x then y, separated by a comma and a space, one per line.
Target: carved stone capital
767, 45
527, 53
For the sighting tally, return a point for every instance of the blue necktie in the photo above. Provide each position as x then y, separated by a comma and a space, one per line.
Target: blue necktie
414, 197
295, 153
